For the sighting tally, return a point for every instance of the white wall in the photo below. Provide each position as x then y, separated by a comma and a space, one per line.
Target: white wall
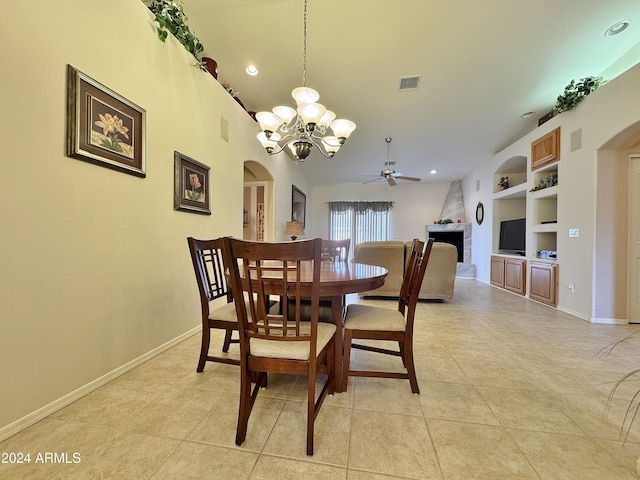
415, 205
95, 266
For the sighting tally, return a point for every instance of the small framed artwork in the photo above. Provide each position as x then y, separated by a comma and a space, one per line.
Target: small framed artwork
298, 205
191, 190
103, 127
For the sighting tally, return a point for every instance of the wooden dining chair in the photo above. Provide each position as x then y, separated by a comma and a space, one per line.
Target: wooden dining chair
335, 250
279, 342
370, 322
208, 265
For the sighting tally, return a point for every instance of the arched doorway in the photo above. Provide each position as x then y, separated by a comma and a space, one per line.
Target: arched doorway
257, 203
617, 262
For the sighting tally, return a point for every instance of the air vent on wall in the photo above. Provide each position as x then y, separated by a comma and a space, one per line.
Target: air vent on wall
410, 83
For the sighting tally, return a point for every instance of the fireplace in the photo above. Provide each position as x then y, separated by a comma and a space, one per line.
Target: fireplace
454, 238
458, 234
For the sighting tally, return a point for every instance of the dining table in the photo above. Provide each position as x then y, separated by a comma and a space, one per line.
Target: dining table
337, 279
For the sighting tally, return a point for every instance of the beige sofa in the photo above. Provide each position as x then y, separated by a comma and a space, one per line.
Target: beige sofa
439, 278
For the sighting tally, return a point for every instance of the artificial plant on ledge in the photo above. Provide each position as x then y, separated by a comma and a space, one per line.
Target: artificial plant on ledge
170, 17
575, 92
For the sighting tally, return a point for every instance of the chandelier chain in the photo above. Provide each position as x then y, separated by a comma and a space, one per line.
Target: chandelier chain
304, 47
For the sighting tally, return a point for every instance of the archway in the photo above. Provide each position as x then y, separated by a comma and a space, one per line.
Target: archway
258, 217
615, 271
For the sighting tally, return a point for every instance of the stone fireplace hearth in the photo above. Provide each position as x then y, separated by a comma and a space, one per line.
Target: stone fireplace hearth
447, 233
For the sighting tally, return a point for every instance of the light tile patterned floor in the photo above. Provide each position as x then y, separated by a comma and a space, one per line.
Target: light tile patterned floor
510, 389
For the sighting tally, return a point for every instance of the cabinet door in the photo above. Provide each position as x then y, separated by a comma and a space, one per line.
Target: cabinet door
545, 149
497, 271
544, 283
515, 275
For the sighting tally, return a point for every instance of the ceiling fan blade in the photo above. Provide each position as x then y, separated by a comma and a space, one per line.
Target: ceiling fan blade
374, 180
391, 181
411, 179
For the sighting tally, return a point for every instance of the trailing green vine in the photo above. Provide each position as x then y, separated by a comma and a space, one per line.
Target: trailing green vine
170, 17
575, 92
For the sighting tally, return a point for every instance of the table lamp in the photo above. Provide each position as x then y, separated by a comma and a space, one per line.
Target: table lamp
293, 230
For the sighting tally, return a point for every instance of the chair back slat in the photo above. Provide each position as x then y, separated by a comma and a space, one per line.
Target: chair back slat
414, 274
335, 250
258, 270
208, 265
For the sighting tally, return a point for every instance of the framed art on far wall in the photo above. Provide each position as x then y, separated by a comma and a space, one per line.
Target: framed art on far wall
191, 185
298, 205
103, 127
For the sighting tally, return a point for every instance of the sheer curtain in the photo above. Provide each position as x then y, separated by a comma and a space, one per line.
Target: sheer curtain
359, 221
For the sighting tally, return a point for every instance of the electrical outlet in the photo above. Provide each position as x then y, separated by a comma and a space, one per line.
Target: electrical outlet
574, 232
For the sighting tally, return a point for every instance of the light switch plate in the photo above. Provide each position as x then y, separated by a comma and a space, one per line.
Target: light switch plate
574, 232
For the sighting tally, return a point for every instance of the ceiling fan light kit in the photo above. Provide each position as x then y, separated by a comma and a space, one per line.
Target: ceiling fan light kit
389, 174
305, 127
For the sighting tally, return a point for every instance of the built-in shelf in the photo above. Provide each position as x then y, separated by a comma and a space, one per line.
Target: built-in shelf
545, 192
519, 191
540, 208
545, 227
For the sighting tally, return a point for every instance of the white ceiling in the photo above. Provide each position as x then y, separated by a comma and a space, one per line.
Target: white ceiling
483, 63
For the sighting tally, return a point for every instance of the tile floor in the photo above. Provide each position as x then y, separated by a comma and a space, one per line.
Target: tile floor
510, 389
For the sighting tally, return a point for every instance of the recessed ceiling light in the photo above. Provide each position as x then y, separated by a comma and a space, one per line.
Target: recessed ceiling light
617, 28
433, 172
527, 114
252, 70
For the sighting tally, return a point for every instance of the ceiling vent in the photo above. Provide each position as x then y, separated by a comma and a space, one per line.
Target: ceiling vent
410, 83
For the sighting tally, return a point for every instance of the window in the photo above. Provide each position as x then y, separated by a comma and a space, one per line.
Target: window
359, 221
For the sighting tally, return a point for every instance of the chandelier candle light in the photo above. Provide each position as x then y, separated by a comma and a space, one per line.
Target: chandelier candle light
307, 126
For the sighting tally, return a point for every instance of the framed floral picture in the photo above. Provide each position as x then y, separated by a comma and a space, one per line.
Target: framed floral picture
103, 127
298, 205
191, 191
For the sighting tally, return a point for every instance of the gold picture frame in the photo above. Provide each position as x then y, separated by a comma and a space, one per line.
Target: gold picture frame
103, 127
191, 185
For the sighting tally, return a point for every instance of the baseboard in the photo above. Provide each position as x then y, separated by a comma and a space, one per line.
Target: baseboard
34, 417
610, 321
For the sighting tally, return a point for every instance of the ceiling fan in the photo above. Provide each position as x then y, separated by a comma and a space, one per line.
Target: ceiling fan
389, 174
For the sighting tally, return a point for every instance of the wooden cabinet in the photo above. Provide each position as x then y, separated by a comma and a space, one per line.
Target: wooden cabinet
497, 271
543, 285
545, 149
515, 274
509, 273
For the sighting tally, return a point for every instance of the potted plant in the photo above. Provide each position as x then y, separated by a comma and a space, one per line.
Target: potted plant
170, 17
575, 92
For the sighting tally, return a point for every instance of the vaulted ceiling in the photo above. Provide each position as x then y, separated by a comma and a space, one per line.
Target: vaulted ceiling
483, 63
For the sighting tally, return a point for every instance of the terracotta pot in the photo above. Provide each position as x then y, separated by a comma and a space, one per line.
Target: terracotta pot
211, 65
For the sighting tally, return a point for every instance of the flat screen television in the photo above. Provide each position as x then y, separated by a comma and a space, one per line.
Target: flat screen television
512, 236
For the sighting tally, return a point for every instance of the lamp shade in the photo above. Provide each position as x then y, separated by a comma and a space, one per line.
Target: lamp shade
293, 230
342, 128
331, 144
326, 119
268, 121
311, 112
268, 143
305, 95
285, 113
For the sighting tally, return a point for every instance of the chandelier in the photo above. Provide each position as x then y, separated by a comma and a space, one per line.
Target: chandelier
307, 126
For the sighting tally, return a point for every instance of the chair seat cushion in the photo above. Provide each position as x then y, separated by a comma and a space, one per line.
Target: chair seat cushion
292, 350
368, 317
225, 313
